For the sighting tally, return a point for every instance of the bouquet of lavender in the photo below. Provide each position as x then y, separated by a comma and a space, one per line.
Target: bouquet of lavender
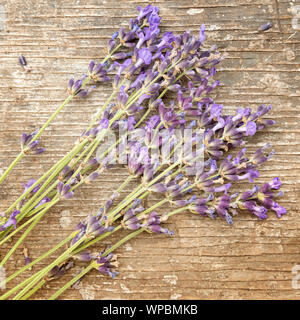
180, 152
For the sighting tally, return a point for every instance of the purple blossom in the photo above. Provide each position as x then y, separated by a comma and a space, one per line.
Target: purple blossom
64, 191
66, 173
168, 117
11, 221
144, 57
103, 263
152, 224
93, 176
29, 184
83, 256
42, 202
149, 13
202, 36
22, 60
259, 200
98, 72
130, 220
95, 226
104, 123
266, 26
278, 209
29, 146
275, 184
75, 88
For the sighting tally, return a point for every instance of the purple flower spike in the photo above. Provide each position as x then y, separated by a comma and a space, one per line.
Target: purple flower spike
149, 13
259, 200
66, 173
257, 210
43, 201
130, 220
93, 176
77, 86
94, 226
29, 184
104, 123
158, 187
38, 151
278, 209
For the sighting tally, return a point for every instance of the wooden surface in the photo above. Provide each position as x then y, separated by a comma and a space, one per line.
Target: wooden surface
206, 259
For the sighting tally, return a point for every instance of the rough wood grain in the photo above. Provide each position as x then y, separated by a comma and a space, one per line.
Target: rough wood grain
206, 259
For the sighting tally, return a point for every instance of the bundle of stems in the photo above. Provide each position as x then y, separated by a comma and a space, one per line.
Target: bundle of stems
39, 196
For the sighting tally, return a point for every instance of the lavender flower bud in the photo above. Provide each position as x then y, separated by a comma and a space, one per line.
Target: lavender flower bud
64, 191
11, 221
266, 26
83, 256
22, 60
130, 221
104, 264
66, 173
75, 88
29, 146
98, 72
92, 177
152, 224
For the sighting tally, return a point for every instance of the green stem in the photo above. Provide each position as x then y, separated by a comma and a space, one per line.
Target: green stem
59, 166
31, 211
12, 165
75, 150
28, 210
24, 235
54, 114
177, 211
85, 245
134, 195
62, 165
33, 290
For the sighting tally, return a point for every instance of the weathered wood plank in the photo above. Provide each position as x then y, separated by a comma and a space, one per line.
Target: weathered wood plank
206, 259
